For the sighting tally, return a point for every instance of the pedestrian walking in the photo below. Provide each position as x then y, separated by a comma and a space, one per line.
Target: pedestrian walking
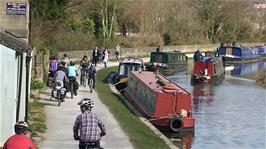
117, 52
106, 53
95, 56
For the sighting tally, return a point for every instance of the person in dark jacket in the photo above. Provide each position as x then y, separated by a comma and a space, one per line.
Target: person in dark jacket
198, 56
95, 56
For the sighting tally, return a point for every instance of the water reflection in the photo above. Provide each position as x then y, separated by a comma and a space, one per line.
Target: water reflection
246, 69
229, 115
202, 94
181, 140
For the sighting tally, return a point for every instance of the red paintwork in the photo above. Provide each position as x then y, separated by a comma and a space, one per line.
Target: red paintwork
168, 103
200, 66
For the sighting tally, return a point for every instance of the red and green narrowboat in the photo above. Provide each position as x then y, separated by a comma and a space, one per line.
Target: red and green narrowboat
164, 103
210, 70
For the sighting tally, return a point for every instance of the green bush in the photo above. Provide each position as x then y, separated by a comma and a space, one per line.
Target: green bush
36, 84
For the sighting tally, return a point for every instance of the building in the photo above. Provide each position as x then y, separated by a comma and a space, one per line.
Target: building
14, 17
14, 78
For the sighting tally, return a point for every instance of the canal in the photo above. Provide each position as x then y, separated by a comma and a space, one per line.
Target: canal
228, 115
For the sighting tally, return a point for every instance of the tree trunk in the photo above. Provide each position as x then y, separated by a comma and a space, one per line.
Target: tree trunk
112, 21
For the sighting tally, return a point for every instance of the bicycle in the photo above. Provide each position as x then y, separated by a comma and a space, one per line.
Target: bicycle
71, 84
83, 80
91, 84
58, 92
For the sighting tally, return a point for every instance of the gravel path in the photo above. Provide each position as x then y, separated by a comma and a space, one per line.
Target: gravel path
60, 121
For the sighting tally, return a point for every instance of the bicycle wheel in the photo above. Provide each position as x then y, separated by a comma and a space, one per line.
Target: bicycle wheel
91, 85
84, 81
71, 89
59, 97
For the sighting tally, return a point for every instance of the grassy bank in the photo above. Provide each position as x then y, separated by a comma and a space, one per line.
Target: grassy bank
139, 134
261, 78
37, 119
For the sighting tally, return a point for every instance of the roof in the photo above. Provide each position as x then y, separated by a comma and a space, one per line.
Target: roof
14, 43
132, 60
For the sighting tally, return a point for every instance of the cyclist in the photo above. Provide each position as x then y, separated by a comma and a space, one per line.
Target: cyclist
53, 66
92, 73
72, 73
84, 63
60, 75
20, 139
89, 126
65, 60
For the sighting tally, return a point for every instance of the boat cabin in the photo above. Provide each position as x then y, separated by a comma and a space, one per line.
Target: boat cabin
125, 66
239, 54
168, 63
208, 70
162, 101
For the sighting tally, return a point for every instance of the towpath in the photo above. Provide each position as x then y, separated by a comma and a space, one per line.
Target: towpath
60, 121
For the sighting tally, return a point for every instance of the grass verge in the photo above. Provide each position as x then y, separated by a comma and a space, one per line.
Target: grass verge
140, 135
261, 79
37, 119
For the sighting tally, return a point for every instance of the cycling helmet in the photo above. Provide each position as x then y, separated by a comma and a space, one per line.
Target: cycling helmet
72, 63
21, 127
63, 63
87, 103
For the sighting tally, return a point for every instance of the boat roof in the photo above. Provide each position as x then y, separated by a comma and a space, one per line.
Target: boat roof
167, 52
156, 83
211, 59
239, 48
131, 60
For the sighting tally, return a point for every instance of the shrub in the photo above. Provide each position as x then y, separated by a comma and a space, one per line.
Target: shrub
36, 84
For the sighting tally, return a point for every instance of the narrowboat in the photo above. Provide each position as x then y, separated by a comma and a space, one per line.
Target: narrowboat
125, 66
210, 70
238, 54
262, 51
164, 103
168, 63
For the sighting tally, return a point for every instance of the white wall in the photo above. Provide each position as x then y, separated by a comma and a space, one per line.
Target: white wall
8, 92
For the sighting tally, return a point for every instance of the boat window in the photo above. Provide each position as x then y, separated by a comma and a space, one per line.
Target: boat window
136, 67
123, 70
159, 58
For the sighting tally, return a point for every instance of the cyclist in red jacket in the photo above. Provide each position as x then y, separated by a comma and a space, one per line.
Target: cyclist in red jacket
20, 139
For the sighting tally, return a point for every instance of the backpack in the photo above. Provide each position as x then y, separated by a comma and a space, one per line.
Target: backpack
92, 71
53, 65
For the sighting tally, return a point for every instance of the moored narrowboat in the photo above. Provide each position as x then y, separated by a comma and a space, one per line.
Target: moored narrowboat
164, 103
125, 66
239, 54
168, 63
210, 70
262, 51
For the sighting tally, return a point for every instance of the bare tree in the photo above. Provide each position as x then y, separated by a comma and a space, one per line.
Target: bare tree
105, 13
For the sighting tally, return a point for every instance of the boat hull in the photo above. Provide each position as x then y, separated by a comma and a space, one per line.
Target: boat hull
231, 60
239, 54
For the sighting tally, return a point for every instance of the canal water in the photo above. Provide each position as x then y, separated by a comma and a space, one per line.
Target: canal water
230, 115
